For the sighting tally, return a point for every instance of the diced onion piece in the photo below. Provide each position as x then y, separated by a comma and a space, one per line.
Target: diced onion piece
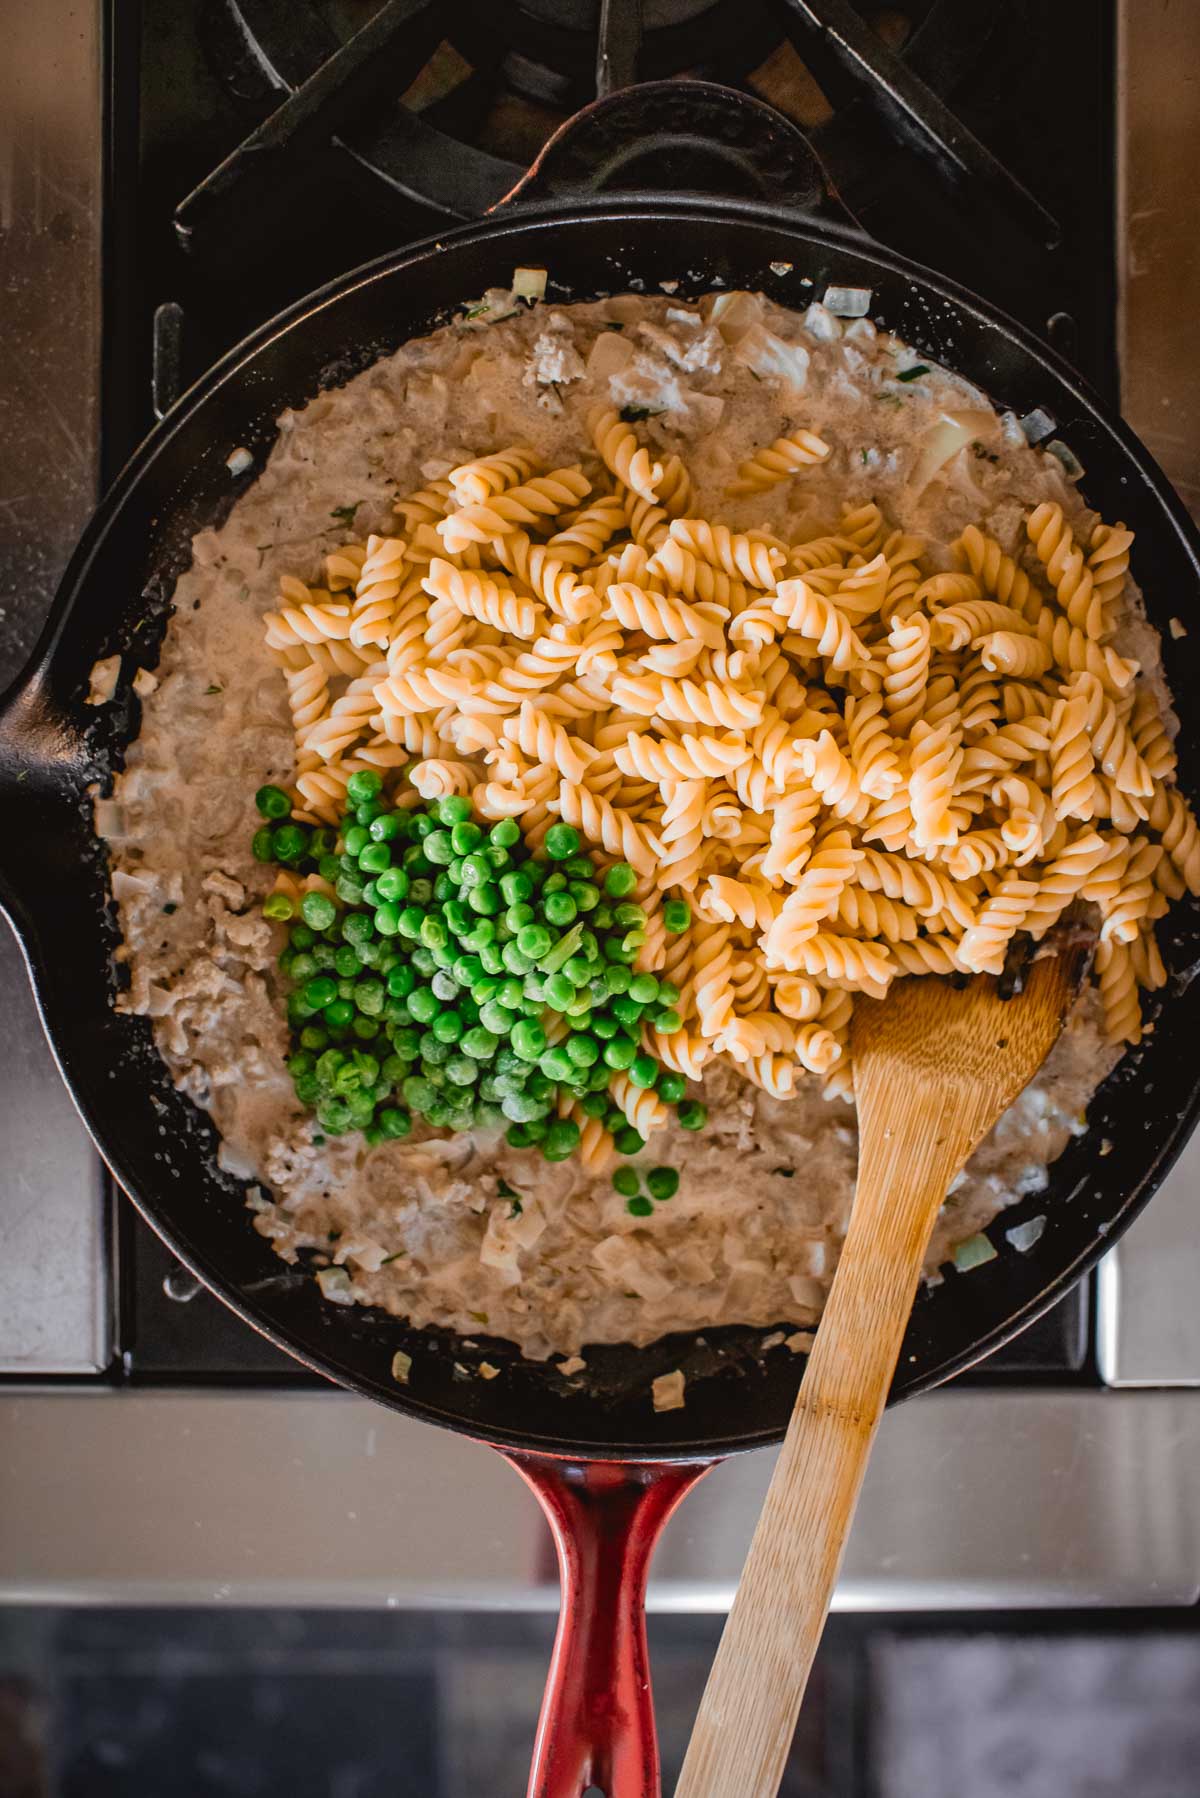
335, 1285
667, 1391
239, 461
401, 1367
611, 354
974, 1252
1023, 1236
769, 355
848, 302
102, 682
734, 313
952, 432
572, 1365
1062, 452
800, 1341
109, 817
488, 1370
1037, 424
781, 268
144, 683
529, 284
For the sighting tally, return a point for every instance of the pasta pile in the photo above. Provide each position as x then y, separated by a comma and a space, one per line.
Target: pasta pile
854, 766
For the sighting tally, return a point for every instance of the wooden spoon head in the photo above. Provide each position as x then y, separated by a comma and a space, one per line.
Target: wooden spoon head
977, 1044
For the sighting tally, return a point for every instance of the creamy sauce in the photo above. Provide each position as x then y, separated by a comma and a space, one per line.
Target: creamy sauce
420, 1227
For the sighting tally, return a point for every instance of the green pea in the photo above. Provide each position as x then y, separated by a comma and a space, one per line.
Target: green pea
644, 989
505, 833
604, 1025
667, 1021
517, 1136
319, 991
620, 881
313, 1038
560, 991
272, 802
562, 841
513, 958
448, 1027
621, 1052
561, 1139
639, 1207
484, 900
560, 909
519, 916
662, 1183
671, 1087
626, 1181
387, 827
394, 1122
368, 996
628, 1141
578, 970
555, 882
260, 845
376, 858
480, 1043
346, 963
528, 1039
555, 1064
629, 917
492, 959
363, 785
676, 915
422, 1006
626, 1007
465, 836
586, 895
356, 840
584, 1051
387, 919
349, 889
454, 809
393, 884
279, 907
289, 842
368, 811
339, 1012
692, 1115
496, 1017
515, 886
644, 1071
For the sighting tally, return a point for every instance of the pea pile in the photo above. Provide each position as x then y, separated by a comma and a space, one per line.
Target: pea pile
424, 986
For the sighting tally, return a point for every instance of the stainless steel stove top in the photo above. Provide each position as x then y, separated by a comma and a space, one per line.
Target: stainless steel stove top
180, 1475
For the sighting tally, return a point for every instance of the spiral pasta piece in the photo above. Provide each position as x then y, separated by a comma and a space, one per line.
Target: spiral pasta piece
823, 765
779, 461
804, 610
968, 620
476, 596
690, 758
933, 776
998, 574
689, 702
516, 507
584, 538
1002, 914
815, 896
907, 671
643, 1108
618, 447
600, 821
872, 747
1117, 978
478, 481
742, 556
1108, 561
658, 615
686, 575
1072, 762
544, 739
1073, 581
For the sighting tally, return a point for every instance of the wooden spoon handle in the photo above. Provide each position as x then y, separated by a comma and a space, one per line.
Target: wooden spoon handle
748, 1713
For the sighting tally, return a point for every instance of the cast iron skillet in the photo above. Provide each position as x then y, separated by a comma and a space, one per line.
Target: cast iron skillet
596, 1448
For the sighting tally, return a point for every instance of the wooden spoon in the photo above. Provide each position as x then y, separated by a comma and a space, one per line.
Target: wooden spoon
934, 1067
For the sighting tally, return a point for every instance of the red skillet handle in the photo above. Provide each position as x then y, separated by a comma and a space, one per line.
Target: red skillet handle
597, 1723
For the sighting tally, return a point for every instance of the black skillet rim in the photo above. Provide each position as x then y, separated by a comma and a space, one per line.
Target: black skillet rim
516, 223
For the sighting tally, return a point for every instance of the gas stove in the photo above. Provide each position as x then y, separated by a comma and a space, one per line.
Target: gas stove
179, 171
